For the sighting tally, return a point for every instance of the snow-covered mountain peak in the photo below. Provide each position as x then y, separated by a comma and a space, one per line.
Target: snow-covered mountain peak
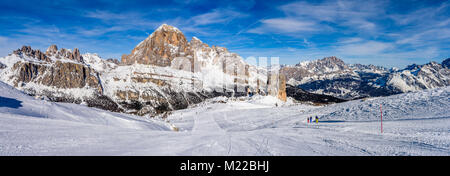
331, 76
167, 28
197, 44
196, 39
327, 64
331, 60
368, 68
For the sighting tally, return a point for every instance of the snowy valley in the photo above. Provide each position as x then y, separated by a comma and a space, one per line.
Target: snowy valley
171, 96
414, 124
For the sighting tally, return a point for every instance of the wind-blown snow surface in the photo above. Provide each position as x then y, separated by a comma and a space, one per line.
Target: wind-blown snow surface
415, 124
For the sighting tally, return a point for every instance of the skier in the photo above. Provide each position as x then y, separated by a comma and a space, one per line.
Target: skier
307, 119
310, 119
317, 119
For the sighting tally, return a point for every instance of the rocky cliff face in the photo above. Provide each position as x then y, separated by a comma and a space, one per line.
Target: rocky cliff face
160, 48
277, 86
331, 76
168, 47
164, 72
167, 72
51, 69
59, 75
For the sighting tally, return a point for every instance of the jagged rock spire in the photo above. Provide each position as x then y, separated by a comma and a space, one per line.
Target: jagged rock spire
53, 49
76, 55
27, 51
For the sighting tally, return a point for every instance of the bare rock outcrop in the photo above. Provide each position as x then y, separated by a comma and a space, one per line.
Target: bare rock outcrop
160, 48
63, 75
276, 85
63, 53
27, 51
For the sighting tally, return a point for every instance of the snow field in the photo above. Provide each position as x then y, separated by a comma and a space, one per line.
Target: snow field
415, 124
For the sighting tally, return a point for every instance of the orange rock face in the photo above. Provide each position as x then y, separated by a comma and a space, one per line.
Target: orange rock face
282, 88
160, 48
277, 85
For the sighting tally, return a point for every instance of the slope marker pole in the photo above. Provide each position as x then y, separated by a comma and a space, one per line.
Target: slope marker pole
381, 111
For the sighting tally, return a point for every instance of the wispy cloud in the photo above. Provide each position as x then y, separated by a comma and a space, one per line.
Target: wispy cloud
362, 29
118, 21
367, 48
284, 25
306, 16
423, 27
216, 16
100, 30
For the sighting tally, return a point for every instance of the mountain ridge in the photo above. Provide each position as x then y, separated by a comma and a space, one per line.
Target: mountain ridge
331, 76
167, 72
164, 72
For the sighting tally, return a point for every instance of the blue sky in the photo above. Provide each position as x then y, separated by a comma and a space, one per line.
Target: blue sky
387, 33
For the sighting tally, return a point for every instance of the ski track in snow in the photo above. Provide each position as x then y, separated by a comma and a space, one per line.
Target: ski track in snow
255, 127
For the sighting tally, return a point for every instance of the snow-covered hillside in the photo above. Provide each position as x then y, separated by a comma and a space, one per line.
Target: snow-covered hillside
15, 104
430, 103
415, 124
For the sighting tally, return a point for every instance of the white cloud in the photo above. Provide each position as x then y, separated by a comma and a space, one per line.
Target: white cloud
283, 25
121, 21
304, 16
96, 31
216, 16
425, 27
107, 16
333, 11
429, 37
364, 48
350, 40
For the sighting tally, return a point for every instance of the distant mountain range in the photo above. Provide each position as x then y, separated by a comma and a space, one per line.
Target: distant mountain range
164, 72
331, 76
167, 72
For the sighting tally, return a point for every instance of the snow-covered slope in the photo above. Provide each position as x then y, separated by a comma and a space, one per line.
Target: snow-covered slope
17, 104
430, 103
414, 124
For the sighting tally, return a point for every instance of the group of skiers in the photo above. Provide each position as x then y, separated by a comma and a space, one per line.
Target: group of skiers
309, 119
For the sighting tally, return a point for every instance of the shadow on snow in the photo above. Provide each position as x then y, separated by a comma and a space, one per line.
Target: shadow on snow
10, 103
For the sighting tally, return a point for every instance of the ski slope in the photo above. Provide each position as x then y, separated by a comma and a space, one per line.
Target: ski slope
414, 124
